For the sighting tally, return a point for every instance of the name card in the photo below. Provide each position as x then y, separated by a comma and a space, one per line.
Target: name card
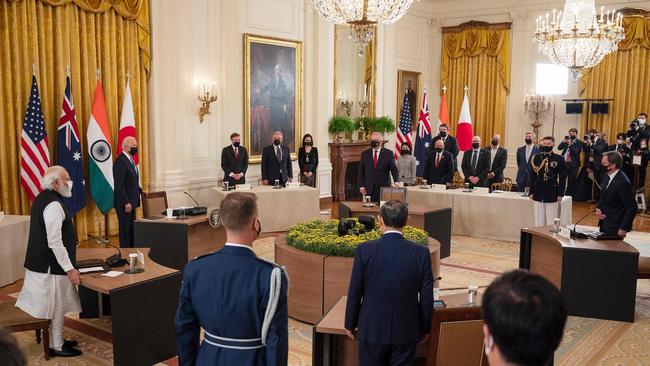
243, 187
439, 187
482, 190
293, 185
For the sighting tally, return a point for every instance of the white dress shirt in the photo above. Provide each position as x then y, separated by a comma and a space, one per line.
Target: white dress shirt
493, 153
611, 177
529, 151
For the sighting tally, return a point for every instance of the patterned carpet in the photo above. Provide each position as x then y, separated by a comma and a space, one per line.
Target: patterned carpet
473, 261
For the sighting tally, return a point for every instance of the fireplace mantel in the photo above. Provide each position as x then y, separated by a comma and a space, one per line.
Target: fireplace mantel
342, 154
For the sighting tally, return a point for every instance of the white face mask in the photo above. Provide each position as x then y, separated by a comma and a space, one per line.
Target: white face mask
66, 189
642, 121
620, 142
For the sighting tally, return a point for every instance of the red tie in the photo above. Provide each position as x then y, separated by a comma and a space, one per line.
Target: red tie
437, 159
375, 159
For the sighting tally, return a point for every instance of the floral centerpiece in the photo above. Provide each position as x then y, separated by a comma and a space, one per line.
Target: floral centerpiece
319, 236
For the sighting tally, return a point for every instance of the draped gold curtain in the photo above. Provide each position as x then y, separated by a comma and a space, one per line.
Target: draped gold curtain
623, 76
112, 35
477, 57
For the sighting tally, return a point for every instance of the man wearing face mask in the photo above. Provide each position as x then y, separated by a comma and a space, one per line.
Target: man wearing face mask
524, 153
376, 167
616, 207
238, 299
547, 182
450, 142
498, 161
439, 168
127, 191
406, 165
49, 290
234, 161
626, 153
276, 162
524, 317
571, 148
475, 165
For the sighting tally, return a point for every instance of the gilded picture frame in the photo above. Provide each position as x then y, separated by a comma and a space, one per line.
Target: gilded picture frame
272, 93
403, 78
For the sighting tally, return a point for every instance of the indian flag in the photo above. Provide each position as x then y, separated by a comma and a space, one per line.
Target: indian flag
100, 165
464, 132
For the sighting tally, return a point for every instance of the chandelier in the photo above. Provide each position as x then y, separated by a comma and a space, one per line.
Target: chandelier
362, 15
577, 38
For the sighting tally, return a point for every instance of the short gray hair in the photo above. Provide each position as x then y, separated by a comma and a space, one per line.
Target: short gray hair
51, 175
126, 140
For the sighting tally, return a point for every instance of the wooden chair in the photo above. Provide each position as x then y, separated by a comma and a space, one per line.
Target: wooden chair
390, 193
456, 337
16, 320
154, 203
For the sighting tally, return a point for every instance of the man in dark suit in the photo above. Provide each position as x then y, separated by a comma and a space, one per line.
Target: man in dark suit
625, 151
616, 207
127, 190
498, 161
276, 162
451, 144
375, 168
439, 167
524, 153
571, 148
475, 165
390, 297
234, 161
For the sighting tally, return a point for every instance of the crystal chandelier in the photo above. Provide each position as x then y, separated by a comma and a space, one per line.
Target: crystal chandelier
362, 15
577, 38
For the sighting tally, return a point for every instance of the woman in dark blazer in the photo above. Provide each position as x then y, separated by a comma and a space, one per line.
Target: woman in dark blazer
308, 161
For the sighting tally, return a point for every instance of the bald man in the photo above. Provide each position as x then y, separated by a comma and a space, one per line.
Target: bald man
127, 190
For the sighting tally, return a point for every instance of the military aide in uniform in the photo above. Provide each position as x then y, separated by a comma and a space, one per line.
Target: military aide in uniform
239, 300
547, 182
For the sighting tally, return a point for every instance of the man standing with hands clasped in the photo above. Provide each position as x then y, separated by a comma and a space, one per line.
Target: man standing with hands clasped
375, 168
616, 207
547, 182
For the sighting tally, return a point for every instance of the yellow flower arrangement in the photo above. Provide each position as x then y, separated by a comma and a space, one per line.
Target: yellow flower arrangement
321, 236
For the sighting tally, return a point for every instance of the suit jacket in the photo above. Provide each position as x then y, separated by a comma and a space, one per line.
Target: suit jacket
618, 204
499, 163
393, 277
523, 167
444, 173
372, 178
232, 164
126, 183
482, 167
226, 293
273, 169
574, 151
598, 148
451, 145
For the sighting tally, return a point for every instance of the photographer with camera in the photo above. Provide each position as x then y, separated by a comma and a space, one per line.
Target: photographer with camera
571, 148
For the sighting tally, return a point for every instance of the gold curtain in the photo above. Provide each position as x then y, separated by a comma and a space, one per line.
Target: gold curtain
623, 76
477, 57
112, 35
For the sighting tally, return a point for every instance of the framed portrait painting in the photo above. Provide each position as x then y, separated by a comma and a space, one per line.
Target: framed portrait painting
272, 93
408, 82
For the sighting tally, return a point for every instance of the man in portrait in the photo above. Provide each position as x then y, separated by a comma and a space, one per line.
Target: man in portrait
278, 99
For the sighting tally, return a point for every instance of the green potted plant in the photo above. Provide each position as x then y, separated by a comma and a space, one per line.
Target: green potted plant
339, 125
382, 124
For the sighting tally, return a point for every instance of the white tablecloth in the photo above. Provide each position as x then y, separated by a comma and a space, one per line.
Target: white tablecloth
280, 209
14, 232
491, 216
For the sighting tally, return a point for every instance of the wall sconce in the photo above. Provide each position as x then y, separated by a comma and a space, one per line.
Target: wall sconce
207, 95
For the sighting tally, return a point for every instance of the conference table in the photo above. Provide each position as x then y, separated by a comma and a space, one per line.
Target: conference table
174, 242
142, 307
280, 209
495, 215
14, 232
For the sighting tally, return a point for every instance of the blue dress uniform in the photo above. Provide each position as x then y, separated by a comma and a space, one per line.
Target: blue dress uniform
241, 303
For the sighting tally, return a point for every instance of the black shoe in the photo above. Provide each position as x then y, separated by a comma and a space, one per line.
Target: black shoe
65, 352
69, 343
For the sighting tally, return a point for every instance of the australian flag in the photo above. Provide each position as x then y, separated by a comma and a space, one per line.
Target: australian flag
423, 136
69, 152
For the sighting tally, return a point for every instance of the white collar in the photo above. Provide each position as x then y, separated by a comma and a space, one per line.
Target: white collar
612, 175
234, 147
240, 246
393, 232
128, 156
495, 148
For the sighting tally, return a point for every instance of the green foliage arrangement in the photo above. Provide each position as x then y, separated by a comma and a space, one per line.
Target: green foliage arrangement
382, 124
340, 124
321, 237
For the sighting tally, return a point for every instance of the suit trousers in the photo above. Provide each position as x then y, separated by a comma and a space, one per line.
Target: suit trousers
545, 213
571, 173
371, 354
125, 222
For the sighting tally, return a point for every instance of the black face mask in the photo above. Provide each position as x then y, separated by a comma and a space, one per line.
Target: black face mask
276, 142
438, 149
374, 143
475, 145
406, 152
546, 149
528, 141
495, 142
133, 150
235, 144
308, 143
443, 134
607, 168
573, 137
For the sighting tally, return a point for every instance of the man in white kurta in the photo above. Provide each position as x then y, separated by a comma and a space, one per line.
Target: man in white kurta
49, 290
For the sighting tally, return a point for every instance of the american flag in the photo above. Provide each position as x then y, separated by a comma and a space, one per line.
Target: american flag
35, 156
404, 130
423, 136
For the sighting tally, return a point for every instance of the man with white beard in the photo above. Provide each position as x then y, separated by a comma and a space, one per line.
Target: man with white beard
49, 290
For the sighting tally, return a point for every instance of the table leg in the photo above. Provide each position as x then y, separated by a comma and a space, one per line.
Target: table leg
46, 343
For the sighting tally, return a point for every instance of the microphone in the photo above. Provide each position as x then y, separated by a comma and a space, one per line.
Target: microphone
576, 234
190, 196
115, 260
437, 279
